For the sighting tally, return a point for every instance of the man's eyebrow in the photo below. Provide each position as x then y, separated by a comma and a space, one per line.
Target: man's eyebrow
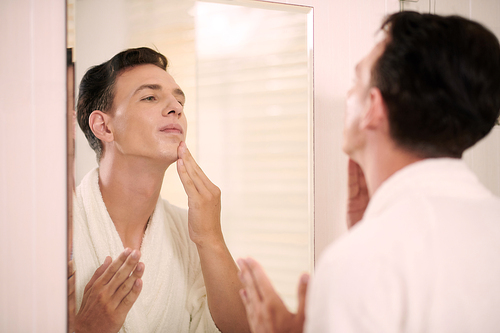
152, 86
148, 86
179, 92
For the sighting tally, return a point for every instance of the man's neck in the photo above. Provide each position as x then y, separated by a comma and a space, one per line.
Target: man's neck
380, 164
130, 190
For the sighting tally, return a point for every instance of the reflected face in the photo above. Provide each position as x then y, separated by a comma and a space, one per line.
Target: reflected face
148, 119
358, 101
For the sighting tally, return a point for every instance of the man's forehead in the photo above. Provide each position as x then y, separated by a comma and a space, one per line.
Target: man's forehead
146, 76
377, 51
374, 53
380, 36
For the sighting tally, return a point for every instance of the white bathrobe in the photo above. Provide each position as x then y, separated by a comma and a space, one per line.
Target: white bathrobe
425, 258
173, 297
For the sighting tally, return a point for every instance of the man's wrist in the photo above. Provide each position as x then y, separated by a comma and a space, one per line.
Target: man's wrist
210, 242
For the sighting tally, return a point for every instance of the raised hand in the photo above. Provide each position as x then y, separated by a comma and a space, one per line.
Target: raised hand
110, 294
220, 272
266, 312
203, 199
358, 196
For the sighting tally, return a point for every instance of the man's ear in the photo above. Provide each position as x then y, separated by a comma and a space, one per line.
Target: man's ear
376, 113
99, 124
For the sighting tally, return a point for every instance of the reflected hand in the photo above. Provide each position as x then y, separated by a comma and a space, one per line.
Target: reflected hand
358, 194
203, 199
266, 312
71, 297
110, 294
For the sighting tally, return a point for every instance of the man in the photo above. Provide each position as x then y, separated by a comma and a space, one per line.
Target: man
131, 111
425, 256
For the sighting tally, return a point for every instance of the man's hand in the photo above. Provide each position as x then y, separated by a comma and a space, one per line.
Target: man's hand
358, 194
220, 272
71, 297
110, 294
266, 312
203, 199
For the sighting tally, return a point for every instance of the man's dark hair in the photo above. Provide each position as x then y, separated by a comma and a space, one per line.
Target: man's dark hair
97, 86
440, 79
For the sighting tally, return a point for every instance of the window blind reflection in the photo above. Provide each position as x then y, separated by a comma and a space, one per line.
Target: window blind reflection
253, 133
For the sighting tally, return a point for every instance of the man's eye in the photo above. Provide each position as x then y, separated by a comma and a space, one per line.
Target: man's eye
182, 104
149, 98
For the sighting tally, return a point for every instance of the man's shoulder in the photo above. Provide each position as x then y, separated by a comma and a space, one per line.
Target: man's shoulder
360, 269
382, 240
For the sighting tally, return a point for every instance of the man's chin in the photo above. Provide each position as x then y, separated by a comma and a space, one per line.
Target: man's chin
346, 150
350, 154
166, 159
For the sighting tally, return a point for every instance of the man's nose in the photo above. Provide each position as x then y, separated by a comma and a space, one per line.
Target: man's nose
173, 107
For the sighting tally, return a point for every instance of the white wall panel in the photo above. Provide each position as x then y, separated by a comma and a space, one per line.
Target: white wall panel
32, 166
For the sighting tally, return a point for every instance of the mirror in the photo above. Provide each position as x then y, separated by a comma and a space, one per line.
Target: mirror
246, 69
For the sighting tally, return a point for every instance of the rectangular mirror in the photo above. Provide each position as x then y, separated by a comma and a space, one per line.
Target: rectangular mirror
246, 69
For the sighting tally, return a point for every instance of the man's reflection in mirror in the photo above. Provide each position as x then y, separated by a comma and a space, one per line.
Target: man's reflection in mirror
142, 264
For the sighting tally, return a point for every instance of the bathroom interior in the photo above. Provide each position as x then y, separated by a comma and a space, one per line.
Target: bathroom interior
265, 84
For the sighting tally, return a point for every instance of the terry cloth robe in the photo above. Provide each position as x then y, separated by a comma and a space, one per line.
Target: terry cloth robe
173, 297
424, 258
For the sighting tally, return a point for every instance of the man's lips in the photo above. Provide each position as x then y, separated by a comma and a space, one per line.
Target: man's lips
172, 128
